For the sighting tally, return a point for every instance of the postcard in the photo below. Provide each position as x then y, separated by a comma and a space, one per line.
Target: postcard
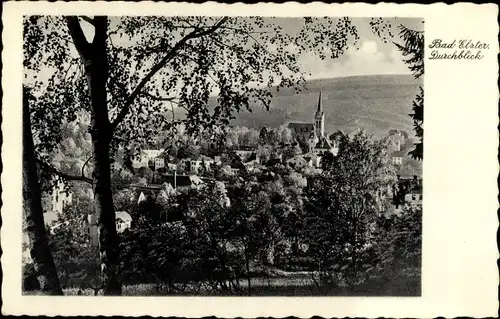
237, 160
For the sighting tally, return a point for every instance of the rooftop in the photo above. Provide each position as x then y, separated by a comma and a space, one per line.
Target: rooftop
323, 144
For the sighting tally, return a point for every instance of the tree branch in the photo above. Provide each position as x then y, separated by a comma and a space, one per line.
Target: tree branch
88, 19
76, 32
159, 98
86, 162
168, 57
68, 177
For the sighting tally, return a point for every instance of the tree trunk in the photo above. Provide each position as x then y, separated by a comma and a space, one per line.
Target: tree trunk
33, 212
94, 57
103, 197
103, 204
247, 266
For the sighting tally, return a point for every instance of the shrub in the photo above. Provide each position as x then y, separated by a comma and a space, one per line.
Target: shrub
30, 281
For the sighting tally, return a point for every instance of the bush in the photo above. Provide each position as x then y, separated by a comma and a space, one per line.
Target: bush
30, 281
77, 261
186, 254
399, 245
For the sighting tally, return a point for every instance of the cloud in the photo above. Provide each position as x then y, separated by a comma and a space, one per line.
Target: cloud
367, 59
369, 47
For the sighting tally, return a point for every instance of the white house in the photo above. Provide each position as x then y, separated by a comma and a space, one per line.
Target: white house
146, 156
153, 153
159, 162
244, 153
312, 159
194, 164
123, 221
60, 198
298, 162
397, 157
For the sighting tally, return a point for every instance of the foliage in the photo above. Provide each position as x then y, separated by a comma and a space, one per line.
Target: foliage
398, 246
194, 250
189, 55
125, 200
413, 47
76, 259
341, 205
181, 241
418, 122
30, 281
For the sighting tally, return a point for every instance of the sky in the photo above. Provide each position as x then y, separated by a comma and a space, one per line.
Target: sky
371, 56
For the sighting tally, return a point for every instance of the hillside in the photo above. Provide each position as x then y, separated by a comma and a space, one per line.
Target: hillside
376, 103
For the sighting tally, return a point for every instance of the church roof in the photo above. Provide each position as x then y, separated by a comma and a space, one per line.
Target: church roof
301, 126
323, 144
337, 135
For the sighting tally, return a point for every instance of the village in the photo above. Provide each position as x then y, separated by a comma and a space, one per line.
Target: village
217, 167
182, 174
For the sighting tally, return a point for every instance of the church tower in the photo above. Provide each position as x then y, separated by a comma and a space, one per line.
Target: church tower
319, 119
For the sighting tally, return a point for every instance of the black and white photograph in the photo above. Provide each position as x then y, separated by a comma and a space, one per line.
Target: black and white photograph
222, 155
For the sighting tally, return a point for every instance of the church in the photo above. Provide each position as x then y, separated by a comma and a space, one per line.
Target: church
314, 133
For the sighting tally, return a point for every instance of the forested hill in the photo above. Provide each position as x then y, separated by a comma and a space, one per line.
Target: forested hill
376, 103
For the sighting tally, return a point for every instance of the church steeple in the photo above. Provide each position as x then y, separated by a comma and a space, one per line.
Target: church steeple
319, 118
320, 106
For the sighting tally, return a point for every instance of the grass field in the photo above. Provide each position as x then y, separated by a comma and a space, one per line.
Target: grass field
291, 285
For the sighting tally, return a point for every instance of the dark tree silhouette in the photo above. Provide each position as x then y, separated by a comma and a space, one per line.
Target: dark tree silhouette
43, 262
413, 48
127, 75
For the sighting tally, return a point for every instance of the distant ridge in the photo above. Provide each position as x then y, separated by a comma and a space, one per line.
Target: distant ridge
376, 103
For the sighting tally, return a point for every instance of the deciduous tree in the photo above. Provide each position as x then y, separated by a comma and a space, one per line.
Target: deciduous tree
43, 262
354, 188
126, 77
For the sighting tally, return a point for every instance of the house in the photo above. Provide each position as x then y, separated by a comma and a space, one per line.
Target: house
312, 159
323, 145
409, 191
335, 140
195, 163
234, 170
178, 183
146, 157
299, 162
397, 157
123, 221
252, 165
159, 161
414, 194
164, 160
59, 198
399, 140
245, 152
